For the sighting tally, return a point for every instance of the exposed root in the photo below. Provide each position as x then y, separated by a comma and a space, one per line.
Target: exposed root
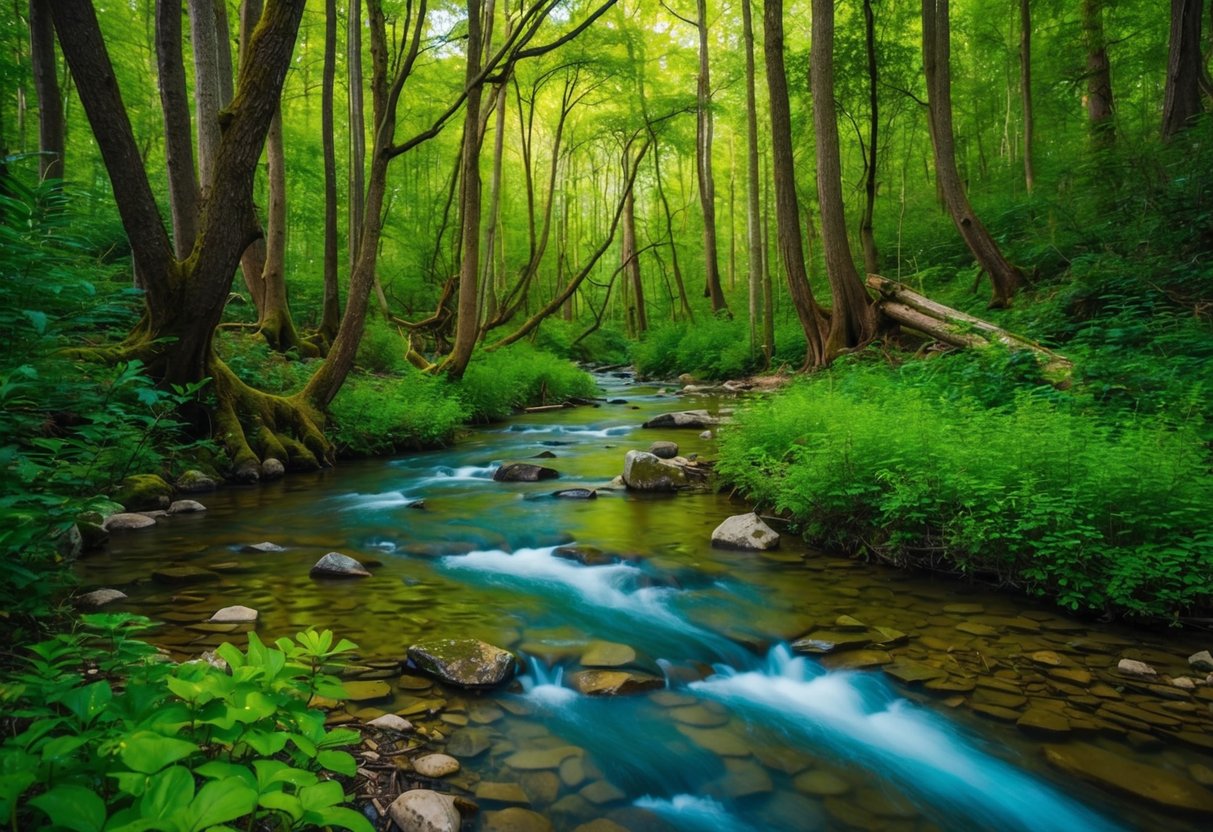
256, 427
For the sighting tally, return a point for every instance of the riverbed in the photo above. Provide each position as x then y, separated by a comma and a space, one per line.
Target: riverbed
923, 703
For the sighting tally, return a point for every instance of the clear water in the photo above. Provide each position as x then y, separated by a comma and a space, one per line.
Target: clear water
746, 735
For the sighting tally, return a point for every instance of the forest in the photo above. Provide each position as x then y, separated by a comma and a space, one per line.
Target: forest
934, 278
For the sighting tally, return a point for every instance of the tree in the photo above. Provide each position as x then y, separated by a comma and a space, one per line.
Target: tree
936, 44
1025, 85
178, 140
852, 321
753, 216
787, 208
51, 126
1185, 65
331, 315
1100, 107
867, 237
703, 149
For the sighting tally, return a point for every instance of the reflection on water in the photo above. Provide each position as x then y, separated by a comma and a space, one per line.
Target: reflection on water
744, 736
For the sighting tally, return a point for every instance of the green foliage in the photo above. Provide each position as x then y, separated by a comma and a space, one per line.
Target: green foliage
382, 348
382, 415
605, 345
1097, 517
179, 748
261, 367
713, 348
498, 383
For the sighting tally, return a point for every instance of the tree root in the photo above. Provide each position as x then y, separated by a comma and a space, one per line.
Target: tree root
257, 427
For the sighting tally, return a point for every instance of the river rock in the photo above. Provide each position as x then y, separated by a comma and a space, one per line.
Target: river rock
745, 531
337, 565
234, 615
366, 691
99, 598
515, 819
436, 765
542, 759
495, 792
707, 434
613, 682
1121, 774
185, 507
182, 575
272, 469
126, 521
470, 742
1043, 721
391, 722
664, 450
524, 472
545, 455
607, 654
1140, 670
585, 555
423, 810
261, 548
909, 672
1202, 661
465, 662
576, 494
195, 482
92, 531
682, 419
820, 783
643, 471
143, 491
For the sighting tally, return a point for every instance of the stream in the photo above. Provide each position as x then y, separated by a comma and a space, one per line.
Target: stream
931, 704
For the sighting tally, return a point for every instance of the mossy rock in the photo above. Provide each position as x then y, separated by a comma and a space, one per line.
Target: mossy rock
143, 491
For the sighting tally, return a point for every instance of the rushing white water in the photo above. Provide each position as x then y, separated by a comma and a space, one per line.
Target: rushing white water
574, 430
861, 720
692, 812
377, 502
463, 473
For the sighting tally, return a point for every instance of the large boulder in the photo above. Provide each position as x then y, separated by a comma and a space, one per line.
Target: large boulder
337, 565
664, 449
195, 482
143, 491
745, 531
524, 472
424, 810
464, 662
682, 419
643, 471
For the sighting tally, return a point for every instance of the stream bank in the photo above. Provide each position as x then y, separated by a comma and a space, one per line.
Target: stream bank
936, 705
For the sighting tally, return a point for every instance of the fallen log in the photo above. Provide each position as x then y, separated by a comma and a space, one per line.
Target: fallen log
903, 305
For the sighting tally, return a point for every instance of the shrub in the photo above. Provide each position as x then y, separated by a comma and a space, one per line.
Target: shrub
1032, 494
498, 383
380, 415
173, 747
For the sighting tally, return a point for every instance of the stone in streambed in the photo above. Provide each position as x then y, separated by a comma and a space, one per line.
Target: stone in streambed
909, 672
501, 793
261, 548
143, 491
465, 662
1043, 721
435, 765
182, 575
391, 722
337, 565
682, 419
524, 472
645, 472
127, 521
613, 682
470, 742
195, 482
1202, 661
820, 783
1112, 771
234, 615
745, 531
607, 654
575, 494
1136, 669
185, 507
516, 819
664, 450
99, 598
542, 759
423, 810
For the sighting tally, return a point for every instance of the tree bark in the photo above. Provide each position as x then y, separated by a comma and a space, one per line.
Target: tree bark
178, 141
276, 324
753, 216
51, 126
703, 158
629, 257
867, 236
467, 322
357, 129
787, 209
936, 39
330, 318
1100, 106
1182, 101
205, 39
1025, 86
852, 321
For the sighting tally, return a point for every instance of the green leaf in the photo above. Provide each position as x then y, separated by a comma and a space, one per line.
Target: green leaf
87, 702
342, 817
167, 793
72, 807
282, 802
321, 795
338, 761
148, 752
37, 318
220, 801
221, 769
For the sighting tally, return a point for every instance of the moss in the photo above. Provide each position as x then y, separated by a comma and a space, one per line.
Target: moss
143, 491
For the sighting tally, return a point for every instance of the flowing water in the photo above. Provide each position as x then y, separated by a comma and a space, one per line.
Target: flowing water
913, 727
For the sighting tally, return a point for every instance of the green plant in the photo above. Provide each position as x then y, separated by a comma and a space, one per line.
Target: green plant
498, 383
381, 415
180, 748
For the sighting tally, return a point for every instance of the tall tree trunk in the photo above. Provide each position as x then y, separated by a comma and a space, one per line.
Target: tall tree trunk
1025, 87
357, 129
753, 217
936, 39
1182, 102
205, 38
1100, 106
252, 262
787, 208
223, 53
178, 141
669, 225
867, 237
46, 85
852, 321
629, 257
277, 327
768, 291
330, 318
467, 322
703, 158
488, 294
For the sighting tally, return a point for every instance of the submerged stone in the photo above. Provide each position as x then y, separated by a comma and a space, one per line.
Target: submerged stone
99, 598
337, 565
501, 793
1136, 669
910, 672
524, 472
234, 615
1162, 788
435, 765
423, 810
465, 662
607, 654
515, 819
745, 531
539, 759
613, 682
127, 521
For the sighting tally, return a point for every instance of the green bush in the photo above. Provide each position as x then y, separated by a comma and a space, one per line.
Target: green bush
381, 415
382, 348
606, 345
498, 383
1033, 494
173, 747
